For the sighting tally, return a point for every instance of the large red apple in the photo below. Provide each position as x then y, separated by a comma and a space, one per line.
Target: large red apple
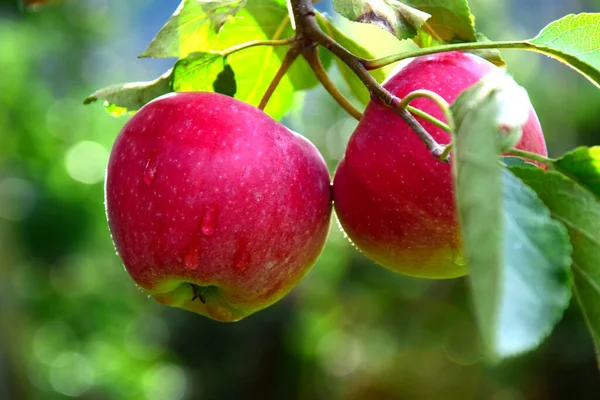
213, 206
392, 198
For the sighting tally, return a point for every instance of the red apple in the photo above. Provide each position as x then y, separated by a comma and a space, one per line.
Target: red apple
392, 198
213, 206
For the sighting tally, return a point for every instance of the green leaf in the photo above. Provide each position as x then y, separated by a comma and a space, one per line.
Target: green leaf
198, 72
579, 210
357, 87
574, 40
518, 257
451, 20
272, 16
492, 55
393, 16
193, 27
583, 166
199, 28
255, 67
128, 97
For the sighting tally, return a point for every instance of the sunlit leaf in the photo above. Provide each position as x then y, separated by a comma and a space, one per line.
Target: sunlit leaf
356, 85
393, 16
583, 166
272, 16
127, 97
193, 27
255, 67
198, 72
574, 40
579, 210
519, 258
451, 20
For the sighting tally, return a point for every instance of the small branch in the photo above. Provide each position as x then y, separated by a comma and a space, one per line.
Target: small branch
439, 100
312, 57
254, 43
288, 60
532, 156
382, 62
436, 149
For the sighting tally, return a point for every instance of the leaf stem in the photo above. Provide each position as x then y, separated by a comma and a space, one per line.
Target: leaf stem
253, 43
312, 57
382, 62
532, 156
288, 60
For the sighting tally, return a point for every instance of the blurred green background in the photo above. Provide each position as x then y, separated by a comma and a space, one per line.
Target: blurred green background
73, 324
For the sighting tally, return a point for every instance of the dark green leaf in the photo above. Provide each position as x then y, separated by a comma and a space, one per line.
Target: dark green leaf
127, 97
393, 16
583, 166
451, 20
225, 82
574, 40
518, 257
193, 28
579, 210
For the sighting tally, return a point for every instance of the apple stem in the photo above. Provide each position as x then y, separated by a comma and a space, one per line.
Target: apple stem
384, 61
312, 57
445, 156
428, 117
532, 156
309, 34
439, 100
291, 55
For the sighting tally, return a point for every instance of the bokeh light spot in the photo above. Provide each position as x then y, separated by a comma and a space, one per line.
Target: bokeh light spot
146, 337
86, 162
71, 374
340, 354
51, 340
165, 381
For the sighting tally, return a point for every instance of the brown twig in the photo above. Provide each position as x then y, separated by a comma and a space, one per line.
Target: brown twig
309, 33
291, 55
312, 57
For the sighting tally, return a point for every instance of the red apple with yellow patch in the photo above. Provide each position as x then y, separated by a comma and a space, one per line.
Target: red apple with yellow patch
394, 200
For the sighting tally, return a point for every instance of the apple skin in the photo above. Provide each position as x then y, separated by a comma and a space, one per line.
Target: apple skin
396, 202
213, 206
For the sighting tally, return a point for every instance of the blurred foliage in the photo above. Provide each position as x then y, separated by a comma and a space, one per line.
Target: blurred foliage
73, 324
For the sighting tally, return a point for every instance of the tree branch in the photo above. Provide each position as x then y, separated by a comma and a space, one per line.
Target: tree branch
309, 33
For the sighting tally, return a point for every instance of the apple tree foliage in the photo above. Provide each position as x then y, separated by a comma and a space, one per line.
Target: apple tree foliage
531, 235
